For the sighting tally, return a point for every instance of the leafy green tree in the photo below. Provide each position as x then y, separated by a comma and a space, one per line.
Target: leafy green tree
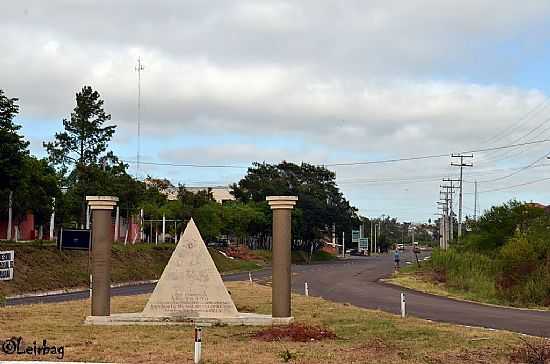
13, 149
209, 219
497, 225
320, 202
37, 186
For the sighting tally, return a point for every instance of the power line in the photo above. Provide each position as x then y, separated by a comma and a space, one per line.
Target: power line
188, 165
515, 186
432, 156
510, 153
516, 125
381, 161
530, 165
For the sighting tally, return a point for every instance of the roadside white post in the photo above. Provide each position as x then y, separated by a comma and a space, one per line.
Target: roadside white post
403, 311
198, 344
306, 289
250, 277
91, 281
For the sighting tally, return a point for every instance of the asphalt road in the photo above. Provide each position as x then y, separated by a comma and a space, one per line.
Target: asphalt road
356, 281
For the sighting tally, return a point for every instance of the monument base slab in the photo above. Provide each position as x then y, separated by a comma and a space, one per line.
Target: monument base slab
242, 319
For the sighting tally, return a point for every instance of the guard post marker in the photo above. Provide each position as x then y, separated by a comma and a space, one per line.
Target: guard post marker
403, 311
198, 345
250, 277
306, 289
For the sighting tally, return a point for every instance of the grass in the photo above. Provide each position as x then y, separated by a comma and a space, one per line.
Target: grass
363, 336
464, 276
41, 267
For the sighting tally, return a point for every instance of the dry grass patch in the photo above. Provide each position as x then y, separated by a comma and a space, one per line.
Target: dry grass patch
361, 335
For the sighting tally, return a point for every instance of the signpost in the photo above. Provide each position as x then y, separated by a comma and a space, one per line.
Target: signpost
7, 259
363, 244
355, 236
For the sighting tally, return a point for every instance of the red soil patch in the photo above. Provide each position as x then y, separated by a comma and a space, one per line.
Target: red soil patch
295, 332
240, 252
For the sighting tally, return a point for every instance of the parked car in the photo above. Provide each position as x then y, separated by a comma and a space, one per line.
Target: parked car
400, 246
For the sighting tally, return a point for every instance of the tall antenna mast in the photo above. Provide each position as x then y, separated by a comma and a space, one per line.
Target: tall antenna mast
139, 68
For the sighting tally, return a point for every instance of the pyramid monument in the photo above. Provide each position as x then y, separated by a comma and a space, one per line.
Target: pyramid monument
190, 285
190, 291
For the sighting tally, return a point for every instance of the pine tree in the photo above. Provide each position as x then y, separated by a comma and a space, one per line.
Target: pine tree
85, 138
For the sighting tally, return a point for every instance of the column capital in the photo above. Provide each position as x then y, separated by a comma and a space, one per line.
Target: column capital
101, 202
281, 202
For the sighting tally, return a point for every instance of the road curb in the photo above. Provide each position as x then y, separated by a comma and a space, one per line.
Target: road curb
77, 290
384, 282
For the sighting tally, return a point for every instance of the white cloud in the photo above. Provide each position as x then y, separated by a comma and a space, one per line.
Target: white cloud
361, 79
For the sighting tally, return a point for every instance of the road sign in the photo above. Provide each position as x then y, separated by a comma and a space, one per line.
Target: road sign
364, 244
355, 235
7, 259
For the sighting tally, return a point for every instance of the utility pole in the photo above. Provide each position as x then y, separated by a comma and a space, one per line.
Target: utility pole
450, 188
139, 68
374, 246
343, 244
475, 201
371, 237
444, 205
461, 165
10, 215
378, 240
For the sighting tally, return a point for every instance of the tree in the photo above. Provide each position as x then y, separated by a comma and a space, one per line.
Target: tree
81, 146
13, 149
320, 202
37, 187
85, 138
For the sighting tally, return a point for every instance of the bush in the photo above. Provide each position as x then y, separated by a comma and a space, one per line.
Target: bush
525, 266
466, 271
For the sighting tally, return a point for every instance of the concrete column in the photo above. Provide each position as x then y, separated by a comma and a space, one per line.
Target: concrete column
281, 206
102, 242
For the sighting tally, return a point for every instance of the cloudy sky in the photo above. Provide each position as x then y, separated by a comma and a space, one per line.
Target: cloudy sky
327, 82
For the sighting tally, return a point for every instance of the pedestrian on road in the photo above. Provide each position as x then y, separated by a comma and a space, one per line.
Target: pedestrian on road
396, 258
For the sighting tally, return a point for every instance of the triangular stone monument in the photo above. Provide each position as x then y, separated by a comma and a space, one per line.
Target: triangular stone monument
190, 292
190, 285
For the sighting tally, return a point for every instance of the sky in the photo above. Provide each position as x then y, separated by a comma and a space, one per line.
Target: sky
324, 82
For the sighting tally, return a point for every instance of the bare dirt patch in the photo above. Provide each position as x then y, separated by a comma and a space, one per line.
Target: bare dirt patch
295, 332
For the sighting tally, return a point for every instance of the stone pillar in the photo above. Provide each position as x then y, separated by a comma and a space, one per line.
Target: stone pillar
281, 206
102, 242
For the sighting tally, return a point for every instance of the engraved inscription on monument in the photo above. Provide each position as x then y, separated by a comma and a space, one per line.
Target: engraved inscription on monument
190, 285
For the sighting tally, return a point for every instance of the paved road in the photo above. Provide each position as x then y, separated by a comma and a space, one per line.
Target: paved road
356, 281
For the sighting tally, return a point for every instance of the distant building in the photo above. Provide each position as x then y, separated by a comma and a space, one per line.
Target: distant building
220, 193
